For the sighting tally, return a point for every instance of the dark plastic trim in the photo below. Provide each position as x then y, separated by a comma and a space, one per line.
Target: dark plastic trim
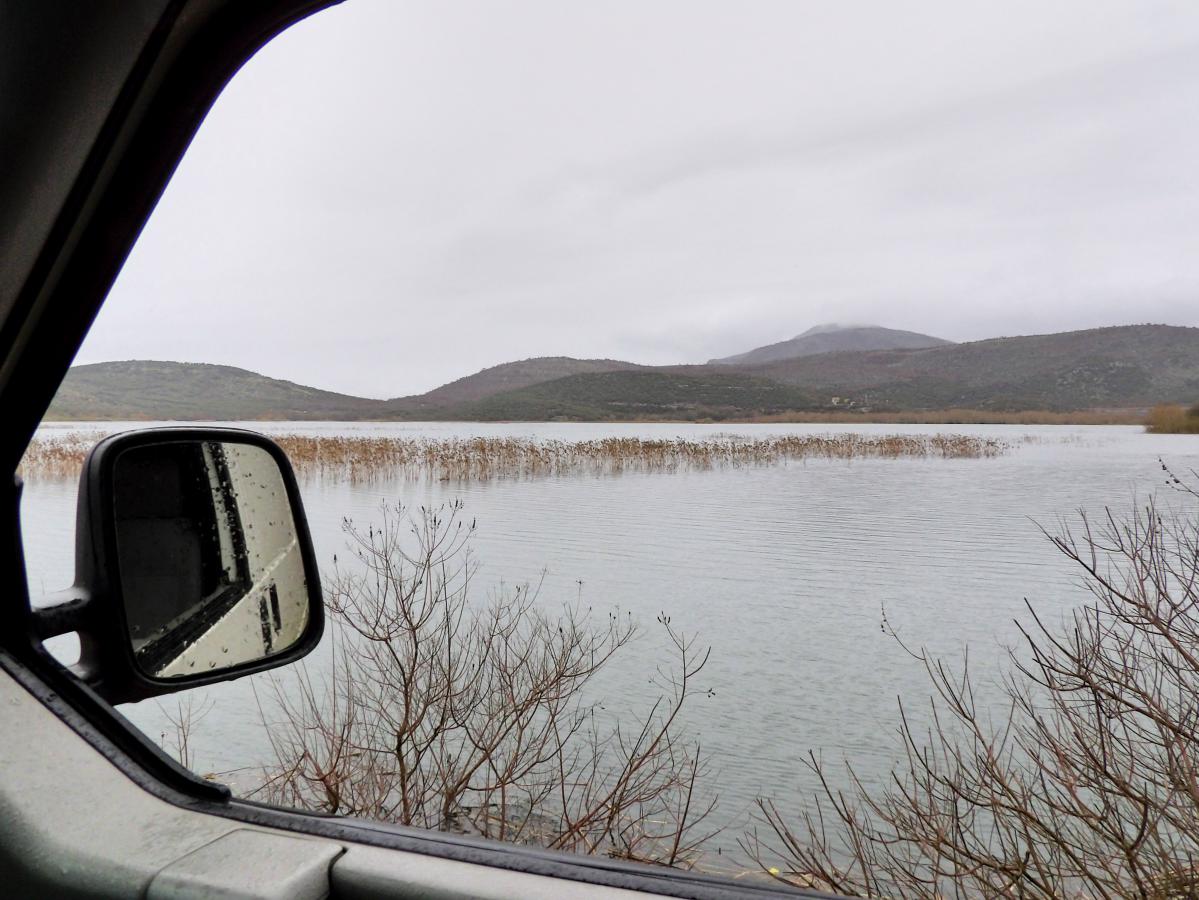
92, 237
70, 701
117, 189
23, 656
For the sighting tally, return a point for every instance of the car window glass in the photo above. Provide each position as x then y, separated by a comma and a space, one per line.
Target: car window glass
674, 389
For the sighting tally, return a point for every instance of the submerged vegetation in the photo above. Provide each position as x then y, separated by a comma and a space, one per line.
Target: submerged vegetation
1168, 419
479, 458
58, 457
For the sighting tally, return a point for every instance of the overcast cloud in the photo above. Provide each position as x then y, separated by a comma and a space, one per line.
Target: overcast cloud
395, 194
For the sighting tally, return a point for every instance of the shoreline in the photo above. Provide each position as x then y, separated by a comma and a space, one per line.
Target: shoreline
952, 416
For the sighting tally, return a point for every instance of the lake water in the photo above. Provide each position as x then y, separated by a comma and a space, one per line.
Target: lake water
783, 570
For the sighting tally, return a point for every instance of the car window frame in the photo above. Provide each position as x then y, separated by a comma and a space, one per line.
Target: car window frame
189, 57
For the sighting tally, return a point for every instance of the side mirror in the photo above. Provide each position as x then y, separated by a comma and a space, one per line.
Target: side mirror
193, 563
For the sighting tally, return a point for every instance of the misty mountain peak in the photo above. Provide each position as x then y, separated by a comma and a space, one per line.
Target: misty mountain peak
834, 338
831, 327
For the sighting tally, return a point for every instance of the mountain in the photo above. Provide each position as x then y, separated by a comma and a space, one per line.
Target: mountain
1126, 366
540, 389
674, 395
147, 389
832, 339
497, 379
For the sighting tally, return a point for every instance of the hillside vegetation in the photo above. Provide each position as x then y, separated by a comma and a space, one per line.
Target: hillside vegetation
498, 379
147, 389
1128, 366
1095, 371
833, 339
640, 395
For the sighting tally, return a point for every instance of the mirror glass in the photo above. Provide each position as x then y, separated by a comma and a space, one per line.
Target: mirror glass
210, 567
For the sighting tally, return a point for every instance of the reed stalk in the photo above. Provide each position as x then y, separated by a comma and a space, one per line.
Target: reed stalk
365, 459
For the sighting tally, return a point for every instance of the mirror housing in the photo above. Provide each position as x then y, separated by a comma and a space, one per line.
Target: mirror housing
193, 563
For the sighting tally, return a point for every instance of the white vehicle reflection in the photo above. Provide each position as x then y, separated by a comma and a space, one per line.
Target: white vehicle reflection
210, 566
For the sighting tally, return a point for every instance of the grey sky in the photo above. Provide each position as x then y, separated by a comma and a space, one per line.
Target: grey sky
395, 194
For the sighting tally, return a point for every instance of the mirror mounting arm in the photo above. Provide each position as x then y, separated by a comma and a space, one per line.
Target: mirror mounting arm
62, 612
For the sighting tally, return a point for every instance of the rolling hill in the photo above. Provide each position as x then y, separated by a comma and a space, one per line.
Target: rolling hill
1124, 367
642, 394
832, 339
497, 379
149, 389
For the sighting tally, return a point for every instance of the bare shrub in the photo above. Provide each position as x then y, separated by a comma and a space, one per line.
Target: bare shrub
189, 711
1088, 785
448, 713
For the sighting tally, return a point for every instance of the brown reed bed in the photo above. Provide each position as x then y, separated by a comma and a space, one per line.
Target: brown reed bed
358, 458
1170, 419
58, 457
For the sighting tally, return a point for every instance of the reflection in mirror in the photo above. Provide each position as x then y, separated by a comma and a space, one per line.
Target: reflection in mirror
209, 563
